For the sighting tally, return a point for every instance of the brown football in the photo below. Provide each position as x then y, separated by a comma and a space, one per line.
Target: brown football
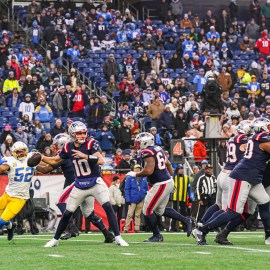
34, 160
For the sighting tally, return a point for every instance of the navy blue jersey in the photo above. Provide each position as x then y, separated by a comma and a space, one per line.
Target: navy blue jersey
85, 171
234, 154
160, 172
67, 169
266, 176
254, 162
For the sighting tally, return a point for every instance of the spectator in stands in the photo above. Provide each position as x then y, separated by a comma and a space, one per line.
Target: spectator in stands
106, 139
55, 52
199, 81
16, 66
154, 111
2, 99
34, 33
7, 144
3, 56
11, 83
263, 43
73, 53
144, 63
224, 80
185, 22
21, 135
44, 113
118, 157
107, 106
37, 126
158, 63
27, 107
265, 12
14, 101
176, 9
199, 151
166, 118
61, 103
255, 10
46, 142
111, 67
79, 100
246, 44
124, 163
175, 62
34, 5
253, 87
95, 114
213, 37
149, 43
124, 135
57, 129
100, 29
112, 86
6, 131
29, 87
153, 131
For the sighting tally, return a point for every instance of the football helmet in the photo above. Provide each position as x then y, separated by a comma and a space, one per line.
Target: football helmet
19, 150
143, 140
244, 127
60, 139
78, 132
259, 125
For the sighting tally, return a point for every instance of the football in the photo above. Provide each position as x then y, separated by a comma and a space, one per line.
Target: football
34, 160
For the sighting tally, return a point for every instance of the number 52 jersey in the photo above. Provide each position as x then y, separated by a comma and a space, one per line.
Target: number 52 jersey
254, 162
19, 177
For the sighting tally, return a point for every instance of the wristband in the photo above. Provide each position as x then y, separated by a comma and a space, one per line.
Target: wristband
92, 159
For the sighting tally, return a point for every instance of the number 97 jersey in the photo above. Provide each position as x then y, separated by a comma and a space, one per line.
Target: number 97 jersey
234, 154
19, 177
160, 172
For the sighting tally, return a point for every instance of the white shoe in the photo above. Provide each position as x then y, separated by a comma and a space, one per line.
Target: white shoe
120, 241
52, 243
267, 241
197, 234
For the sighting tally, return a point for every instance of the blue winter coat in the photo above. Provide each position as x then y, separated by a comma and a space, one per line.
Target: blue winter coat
105, 142
133, 193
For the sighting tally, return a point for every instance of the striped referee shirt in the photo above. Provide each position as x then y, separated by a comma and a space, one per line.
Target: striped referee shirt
207, 184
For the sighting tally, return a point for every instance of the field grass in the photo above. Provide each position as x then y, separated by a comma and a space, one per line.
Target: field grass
176, 252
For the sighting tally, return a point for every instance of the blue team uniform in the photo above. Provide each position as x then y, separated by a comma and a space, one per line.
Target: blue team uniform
234, 154
160, 172
68, 171
253, 165
86, 171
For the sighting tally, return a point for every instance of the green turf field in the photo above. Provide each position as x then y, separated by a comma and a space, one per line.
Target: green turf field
176, 252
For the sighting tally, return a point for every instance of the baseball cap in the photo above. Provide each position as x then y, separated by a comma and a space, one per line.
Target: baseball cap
27, 95
208, 166
204, 161
180, 166
261, 59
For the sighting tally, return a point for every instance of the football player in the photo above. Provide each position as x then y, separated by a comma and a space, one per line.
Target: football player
17, 190
246, 181
68, 171
86, 158
159, 171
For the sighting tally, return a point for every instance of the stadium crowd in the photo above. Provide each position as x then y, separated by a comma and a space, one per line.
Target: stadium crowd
158, 73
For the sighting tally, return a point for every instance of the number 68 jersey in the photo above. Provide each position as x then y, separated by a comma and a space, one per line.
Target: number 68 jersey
19, 177
254, 162
160, 172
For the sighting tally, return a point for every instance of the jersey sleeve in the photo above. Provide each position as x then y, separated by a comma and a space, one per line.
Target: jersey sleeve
241, 139
92, 146
147, 153
64, 153
262, 137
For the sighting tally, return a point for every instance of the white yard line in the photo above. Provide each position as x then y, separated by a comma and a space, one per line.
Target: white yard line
55, 255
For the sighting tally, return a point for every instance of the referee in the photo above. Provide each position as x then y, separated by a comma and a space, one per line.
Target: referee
206, 190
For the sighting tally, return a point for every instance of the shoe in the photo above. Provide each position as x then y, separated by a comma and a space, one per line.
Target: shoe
223, 241
158, 238
188, 226
11, 231
52, 243
197, 234
267, 241
120, 241
109, 238
69, 235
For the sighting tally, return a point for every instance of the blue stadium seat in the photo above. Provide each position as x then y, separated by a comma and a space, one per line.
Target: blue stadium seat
7, 114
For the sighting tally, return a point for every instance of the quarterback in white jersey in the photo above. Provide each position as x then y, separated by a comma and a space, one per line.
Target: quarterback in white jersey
17, 190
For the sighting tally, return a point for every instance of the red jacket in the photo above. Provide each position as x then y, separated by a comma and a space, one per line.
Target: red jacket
263, 45
199, 151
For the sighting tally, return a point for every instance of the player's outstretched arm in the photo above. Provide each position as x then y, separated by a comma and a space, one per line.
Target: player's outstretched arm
265, 147
45, 169
149, 166
4, 168
51, 160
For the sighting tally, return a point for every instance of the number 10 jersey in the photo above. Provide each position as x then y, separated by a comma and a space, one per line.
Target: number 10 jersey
86, 172
160, 172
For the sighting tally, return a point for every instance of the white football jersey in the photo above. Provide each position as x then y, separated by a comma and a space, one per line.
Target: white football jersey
19, 177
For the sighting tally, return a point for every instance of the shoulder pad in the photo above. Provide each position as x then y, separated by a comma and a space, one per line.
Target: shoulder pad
241, 139
261, 137
92, 144
148, 152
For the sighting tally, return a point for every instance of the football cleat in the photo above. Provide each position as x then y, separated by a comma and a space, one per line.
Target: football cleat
267, 241
109, 238
120, 241
223, 241
11, 231
197, 234
52, 243
154, 238
69, 235
188, 226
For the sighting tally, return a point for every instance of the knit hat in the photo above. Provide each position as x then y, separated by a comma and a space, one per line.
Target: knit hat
8, 137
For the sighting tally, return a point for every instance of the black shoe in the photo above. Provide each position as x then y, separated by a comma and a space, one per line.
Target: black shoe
109, 238
69, 235
11, 231
203, 242
188, 226
158, 238
223, 241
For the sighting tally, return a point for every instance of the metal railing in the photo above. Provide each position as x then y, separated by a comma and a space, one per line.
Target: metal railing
146, 12
5, 7
124, 4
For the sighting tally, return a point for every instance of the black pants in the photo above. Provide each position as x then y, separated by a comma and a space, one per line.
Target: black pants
119, 212
208, 200
180, 207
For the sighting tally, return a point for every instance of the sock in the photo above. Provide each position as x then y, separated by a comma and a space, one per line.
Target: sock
9, 225
62, 224
98, 222
219, 212
62, 207
153, 223
4, 223
111, 218
234, 223
218, 221
208, 214
171, 213
265, 216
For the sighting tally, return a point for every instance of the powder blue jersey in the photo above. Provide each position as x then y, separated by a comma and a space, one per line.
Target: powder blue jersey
254, 162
